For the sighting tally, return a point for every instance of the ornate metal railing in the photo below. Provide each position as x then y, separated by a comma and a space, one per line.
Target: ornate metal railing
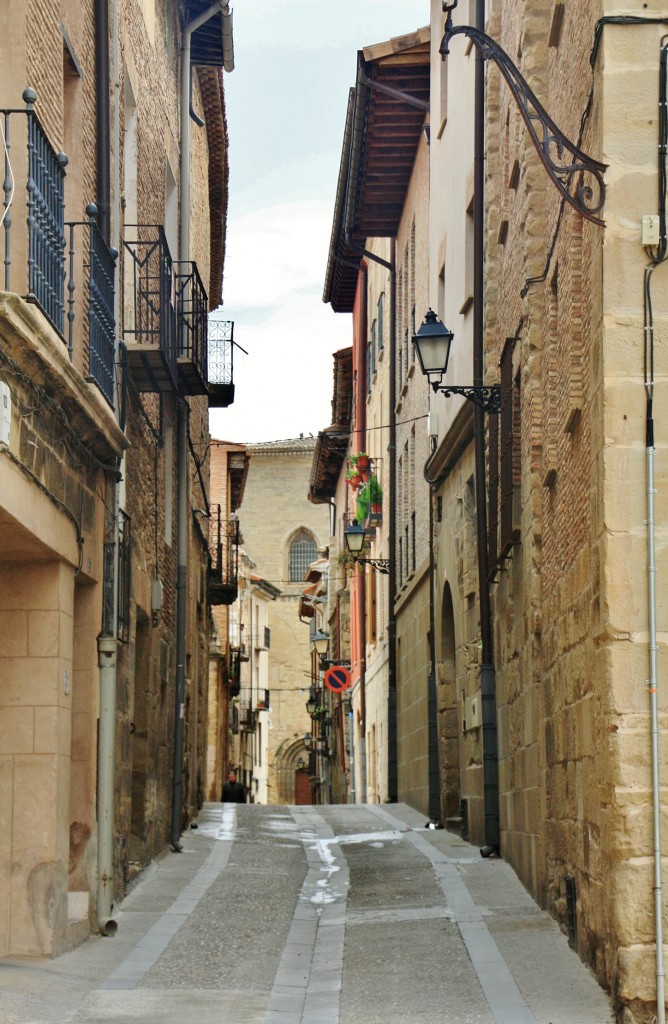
45, 185
192, 305
221, 362
224, 553
101, 269
234, 671
150, 316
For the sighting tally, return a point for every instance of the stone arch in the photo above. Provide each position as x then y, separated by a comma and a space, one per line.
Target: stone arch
287, 756
448, 715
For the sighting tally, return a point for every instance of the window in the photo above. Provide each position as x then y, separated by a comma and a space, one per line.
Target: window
371, 355
509, 427
302, 553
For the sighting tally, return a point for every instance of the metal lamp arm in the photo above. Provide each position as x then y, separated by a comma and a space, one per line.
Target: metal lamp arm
547, 138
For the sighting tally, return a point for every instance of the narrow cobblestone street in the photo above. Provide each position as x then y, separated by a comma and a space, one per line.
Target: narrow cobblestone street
328, 915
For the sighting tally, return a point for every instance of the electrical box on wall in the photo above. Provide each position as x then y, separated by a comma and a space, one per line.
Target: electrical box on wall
650, 229
5, 413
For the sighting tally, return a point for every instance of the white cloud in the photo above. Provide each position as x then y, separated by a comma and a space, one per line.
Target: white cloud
276, 250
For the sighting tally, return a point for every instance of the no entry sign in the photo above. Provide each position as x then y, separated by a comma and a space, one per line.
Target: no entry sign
337, 679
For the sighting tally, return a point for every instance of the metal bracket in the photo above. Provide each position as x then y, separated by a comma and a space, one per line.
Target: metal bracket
381, 564
560, 157
486, 397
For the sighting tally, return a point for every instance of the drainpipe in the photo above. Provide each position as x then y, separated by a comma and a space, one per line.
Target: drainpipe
106, 642
106, 745
222, 7
654, 715
434, 777
392, 767
102, 110
487, 673
360, 432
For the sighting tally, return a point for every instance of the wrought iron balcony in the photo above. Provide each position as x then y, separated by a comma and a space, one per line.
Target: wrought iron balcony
150, 321
101, 269
35, 266
192, 305
234, 671
35, 260
222, 585
221, 363
246, 717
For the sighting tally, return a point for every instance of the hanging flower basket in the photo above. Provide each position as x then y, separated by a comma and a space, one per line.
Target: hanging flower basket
353, 479
363, 462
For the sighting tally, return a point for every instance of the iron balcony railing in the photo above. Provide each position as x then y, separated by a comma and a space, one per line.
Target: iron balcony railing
221, 362
224, 553
35, 261
192, 304
150, 319
101, 269
234, 671
246, 717
45, 184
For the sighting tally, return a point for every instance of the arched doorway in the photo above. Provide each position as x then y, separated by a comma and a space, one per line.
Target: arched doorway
448, 716
302, 787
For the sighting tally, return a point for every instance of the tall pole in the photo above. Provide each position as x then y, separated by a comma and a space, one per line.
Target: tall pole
487, 673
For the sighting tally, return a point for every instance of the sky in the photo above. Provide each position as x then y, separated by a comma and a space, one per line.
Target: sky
295, 61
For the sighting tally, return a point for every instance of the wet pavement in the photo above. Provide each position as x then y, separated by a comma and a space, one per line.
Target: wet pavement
316, 915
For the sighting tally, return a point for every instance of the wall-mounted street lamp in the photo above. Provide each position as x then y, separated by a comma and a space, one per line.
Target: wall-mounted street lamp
355, 535
432, 344
311, 704
308, 740
320, 643
301, 764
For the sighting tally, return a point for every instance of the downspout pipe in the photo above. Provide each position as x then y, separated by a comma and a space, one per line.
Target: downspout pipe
107, 641
654, 717
102, 117
392, 751
434, 783
487, 672
189, 29
360, 433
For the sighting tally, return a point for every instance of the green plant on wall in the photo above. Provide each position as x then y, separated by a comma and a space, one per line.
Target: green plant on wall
370, 494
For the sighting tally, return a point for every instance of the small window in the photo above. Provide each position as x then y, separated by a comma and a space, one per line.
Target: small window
381, 304
302, 553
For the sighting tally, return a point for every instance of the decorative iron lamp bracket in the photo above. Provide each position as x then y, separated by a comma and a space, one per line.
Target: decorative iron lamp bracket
381, 564
560, 157
486, 397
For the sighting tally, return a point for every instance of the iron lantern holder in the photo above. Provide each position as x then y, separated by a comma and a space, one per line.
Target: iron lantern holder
355, 536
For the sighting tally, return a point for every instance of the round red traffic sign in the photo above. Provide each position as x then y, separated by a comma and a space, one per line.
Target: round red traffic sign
337, 679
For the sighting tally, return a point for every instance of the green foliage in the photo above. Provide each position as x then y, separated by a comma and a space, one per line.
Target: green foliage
370, 494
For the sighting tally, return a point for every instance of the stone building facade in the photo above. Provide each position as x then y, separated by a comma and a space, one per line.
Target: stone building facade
103, 460
228, 472
281, 533
571, 311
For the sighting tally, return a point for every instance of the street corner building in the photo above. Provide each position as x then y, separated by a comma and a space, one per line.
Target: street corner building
113, 225
500, 194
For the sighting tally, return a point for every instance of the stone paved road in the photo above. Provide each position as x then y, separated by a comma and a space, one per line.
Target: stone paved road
327, 915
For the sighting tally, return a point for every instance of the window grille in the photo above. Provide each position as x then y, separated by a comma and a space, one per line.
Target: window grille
302, 553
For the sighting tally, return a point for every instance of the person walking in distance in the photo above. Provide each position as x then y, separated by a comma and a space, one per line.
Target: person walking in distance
233, 791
